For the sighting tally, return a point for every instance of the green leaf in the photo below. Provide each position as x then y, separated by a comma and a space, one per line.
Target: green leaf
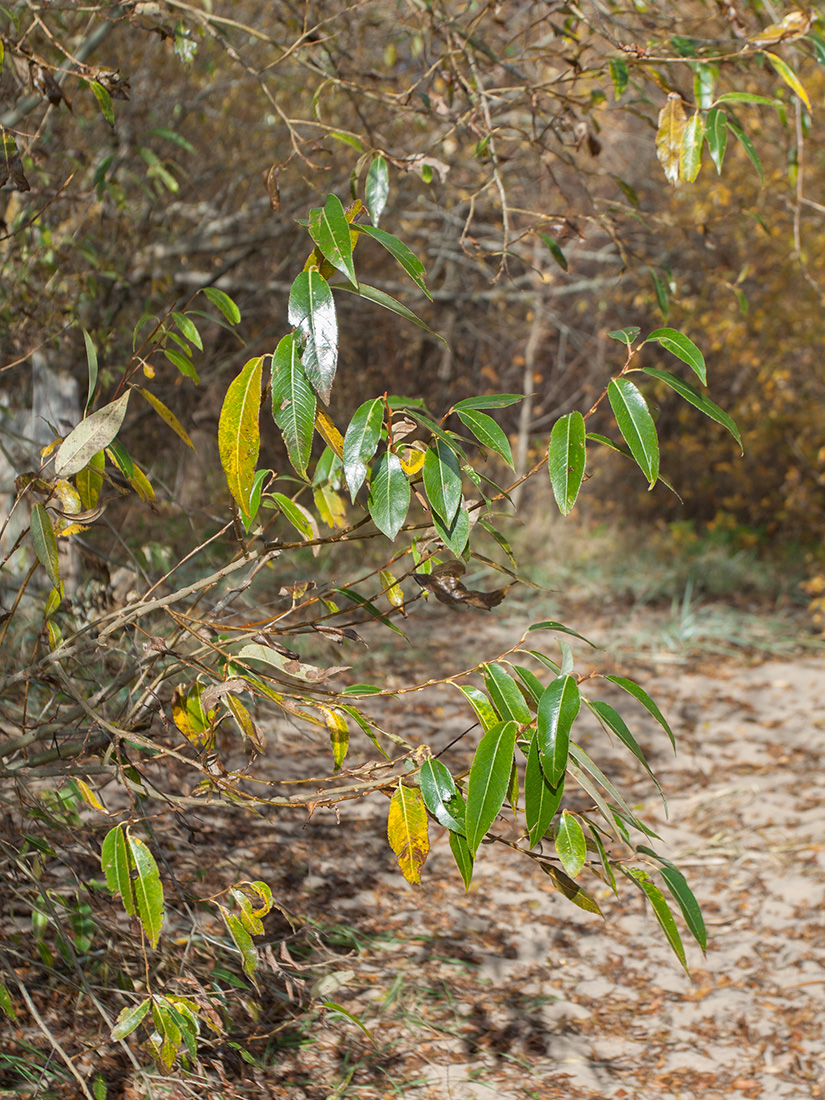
485, 711
636, 425
541, 800
148, 889
91, 435
533, 685
330, 231
441, 797
677, 885
377, 188
581, 758
408, 260
487, 432
463, 857
566, 459
456, 535
224, 303
297, 515
312, 311
716, 135
371, 609
489, 780
360, 442
114, 860
571, 847
555, 251
5, 997
189, 329
182, 362
129, 1019
551, 624
389, 498
683, 348
239, 432
91, 363
614, 721
506, 696
625, 335
104, 101
745, 97
571, 890
661, 910
243, 942
381, 298
293, 403
492, 401
619, 75
607, 870
639, 693
704, 79
698, 400
442, 480
748, 146
45, 543
691, 155
557, 712
660, 288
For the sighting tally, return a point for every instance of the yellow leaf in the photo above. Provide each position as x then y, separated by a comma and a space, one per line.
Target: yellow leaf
789, 76
189, 715
90, 796
245, 723
412, 459
68, 496
141, 484
338, 734
329, 433
331, 507
407, 832
238, 431
90, 480
394, 593
672, 124
167, 416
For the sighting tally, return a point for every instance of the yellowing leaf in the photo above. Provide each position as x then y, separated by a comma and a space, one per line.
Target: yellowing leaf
167, 416
239, 433
412, 459
669, 135
89, 480
407, 832
338, 734
329, 433
189, 715
394, 592
90, 796
789, 76
331, 506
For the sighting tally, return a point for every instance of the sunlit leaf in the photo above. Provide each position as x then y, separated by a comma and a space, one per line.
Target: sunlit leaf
293, 402
463, 857
147, 887
505, 695
242, 940
488, 781
571, 890
408, 260
389, 498
487, 432
361, 441
789, 76
104, 101
639, 693
407, 831
455, 537
312, 312
636, 425
571, 847
683, 348
91, 435
298, 516
377, 188
716, 135
566, 459
492, 401
442, 480
239, 432
690, 160
330, 231
338, 735
557, 711
129, 1019
485, 711
669, 135
541, 800
224, 303
441, 797
661, 909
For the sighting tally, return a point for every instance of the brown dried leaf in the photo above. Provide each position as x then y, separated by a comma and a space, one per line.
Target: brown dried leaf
445, 585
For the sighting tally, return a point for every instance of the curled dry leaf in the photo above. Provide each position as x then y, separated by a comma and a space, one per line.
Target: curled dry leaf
445, 585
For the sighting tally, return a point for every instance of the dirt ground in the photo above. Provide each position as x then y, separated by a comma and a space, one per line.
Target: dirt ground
508, 991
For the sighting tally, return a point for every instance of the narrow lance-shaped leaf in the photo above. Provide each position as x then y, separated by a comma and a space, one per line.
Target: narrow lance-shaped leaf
541, 800
748, 146
485, 711
360, 442
45, 543
330, 231
408, 260
224, 303
91, 435
698, 400
677, 885
505, 694
614, 722
619, 74
558, 708
636, 425
114, 860
407, 831
463, 857
639, 693
487, 432
167, 416
389, 498
293, 402
488, 781
789, 76
338, 735
239, 432
148, 889
571, 847
441, 797
669, 136
661, 910
312, 311
716, 135
243, 941
129, 1019
683, 348
377, 188
555, 251
381, 298
91, 363
571, 889
566, 459
690, 160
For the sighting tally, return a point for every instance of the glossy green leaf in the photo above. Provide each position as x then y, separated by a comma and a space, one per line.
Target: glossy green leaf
748, 146
625, 336
408, 260
571, 847
533, 685
570, 889
607, 870
456, 535
566, 459
183, 362
129, 1019
441, 797
377, 188
487, 432
555, 251
91, 435
224, 303
189, 329
485, 711
114, 860
147, 887
505, 694
636, 425
614, 722
551, 624
492, 401
678, 887
581, 758
297, 515
661, 910
442, 481
293, 403
312, 311
682, 347
463, 857
541, 800
239, 432
639, 693
389, 498
619, 74
45, 543
691, 155
557, 712
698, 400
330, 231
386, 301
360, 442
716, 135
489, 780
